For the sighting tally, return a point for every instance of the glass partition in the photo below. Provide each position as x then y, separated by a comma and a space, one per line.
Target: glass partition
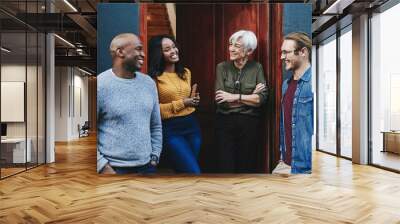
327, 95
14, 152
22, 87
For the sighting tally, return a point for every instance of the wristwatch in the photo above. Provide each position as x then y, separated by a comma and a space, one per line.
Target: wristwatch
153, 160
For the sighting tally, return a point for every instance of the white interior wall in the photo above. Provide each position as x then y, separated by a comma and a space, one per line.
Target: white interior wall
70, 84
12, 73
33, 126
61, 104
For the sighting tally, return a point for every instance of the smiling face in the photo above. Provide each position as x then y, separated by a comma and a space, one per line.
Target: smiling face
290, 55
169, 51
133, 55
236, 50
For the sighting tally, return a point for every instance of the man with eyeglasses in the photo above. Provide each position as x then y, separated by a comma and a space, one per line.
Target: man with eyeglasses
296, 122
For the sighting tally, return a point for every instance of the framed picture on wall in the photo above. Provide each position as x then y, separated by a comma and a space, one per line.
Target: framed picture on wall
213, 79
12, 101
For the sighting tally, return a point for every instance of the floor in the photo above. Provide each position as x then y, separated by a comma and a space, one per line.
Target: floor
70, 191
8, 171
386, 159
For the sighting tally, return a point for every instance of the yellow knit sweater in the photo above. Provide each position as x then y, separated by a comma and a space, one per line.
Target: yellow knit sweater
171, 92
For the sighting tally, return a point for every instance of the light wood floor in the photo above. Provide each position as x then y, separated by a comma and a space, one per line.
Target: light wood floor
70, 191
386, 159
10, 171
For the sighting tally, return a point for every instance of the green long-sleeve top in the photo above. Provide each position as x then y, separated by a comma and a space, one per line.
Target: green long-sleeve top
249, 76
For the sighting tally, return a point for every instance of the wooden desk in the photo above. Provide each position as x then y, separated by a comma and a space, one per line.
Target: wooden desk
391, 141
13, 150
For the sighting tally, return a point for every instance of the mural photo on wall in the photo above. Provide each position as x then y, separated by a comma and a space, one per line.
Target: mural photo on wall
204, 88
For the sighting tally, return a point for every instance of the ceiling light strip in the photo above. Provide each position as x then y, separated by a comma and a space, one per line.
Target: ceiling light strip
84, 71
5, 50
337, 7
65, 41
70, 5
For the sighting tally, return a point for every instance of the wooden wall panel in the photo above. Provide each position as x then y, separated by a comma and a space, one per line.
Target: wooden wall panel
143, 32
158, 21
196, 40
263, 54
235, 17
275, 79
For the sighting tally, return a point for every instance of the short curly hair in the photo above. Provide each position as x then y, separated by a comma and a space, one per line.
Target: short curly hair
248, 37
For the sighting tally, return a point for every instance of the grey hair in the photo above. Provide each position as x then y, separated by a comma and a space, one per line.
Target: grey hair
249, 39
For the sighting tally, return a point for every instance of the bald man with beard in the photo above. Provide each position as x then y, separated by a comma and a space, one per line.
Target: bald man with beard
129, 135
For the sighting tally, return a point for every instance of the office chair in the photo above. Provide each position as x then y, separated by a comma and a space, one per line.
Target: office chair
84, 130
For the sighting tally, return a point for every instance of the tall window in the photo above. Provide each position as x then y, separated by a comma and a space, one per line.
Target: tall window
327, 95
346, 92
385, 89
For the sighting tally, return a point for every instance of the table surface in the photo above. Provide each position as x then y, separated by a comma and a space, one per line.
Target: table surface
13, 140
391, 132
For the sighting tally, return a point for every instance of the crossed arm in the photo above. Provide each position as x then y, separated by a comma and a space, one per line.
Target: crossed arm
236, 100
226, 99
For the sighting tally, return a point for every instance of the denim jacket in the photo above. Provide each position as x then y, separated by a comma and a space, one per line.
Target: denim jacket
302, 124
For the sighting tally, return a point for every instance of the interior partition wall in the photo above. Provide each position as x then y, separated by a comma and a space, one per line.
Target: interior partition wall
22, 77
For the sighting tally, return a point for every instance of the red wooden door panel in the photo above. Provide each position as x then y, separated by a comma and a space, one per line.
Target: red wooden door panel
203, 32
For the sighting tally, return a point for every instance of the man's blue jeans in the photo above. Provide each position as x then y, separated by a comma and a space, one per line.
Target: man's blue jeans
145, 169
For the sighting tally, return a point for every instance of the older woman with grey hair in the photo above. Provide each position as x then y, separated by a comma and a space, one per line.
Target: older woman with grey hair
240, 91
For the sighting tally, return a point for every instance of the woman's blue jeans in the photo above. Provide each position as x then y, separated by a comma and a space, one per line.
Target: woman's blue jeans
182, 141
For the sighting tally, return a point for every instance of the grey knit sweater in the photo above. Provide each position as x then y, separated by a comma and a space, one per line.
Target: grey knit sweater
128, 120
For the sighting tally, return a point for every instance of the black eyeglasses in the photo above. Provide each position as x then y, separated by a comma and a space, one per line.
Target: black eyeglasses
284, 53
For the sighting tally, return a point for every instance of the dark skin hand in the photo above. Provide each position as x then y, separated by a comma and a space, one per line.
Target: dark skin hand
108, 170
192, 101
